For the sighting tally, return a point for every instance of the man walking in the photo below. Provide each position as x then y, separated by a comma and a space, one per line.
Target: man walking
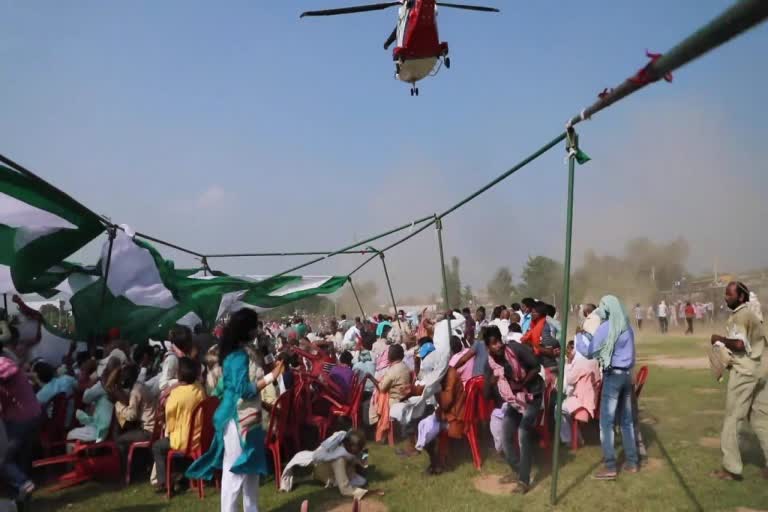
661, 313
639, 316
690, 314
746, 397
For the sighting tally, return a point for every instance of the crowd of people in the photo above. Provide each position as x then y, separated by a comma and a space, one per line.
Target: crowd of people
416, 375
679, 314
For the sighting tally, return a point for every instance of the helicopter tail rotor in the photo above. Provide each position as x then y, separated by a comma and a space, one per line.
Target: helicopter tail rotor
350, 10
468, 7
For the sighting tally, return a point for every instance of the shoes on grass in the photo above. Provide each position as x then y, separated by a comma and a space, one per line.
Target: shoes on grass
604, 474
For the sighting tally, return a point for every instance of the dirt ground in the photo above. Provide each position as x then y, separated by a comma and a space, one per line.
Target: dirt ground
684, 363
710, 442
366, 505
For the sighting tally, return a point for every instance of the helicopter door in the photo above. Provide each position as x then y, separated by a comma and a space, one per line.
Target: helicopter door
402, 23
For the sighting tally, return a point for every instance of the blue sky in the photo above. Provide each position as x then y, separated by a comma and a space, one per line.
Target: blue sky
239, 127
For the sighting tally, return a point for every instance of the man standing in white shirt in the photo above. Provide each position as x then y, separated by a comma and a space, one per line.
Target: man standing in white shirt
639, 316
662, 315
502, 322
591, 319
353, 335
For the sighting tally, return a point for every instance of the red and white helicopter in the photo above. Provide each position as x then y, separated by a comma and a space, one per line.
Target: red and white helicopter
418, 48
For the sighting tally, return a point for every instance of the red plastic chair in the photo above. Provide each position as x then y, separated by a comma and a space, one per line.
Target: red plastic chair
543, 429
54, 431
474, 407
640, 378
582, 415
299, 410
157, 433
90, 461
322, 422
351, 409
202, 417
276, 432
317, 361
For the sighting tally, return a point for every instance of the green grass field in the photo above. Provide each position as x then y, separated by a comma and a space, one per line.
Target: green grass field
681, 412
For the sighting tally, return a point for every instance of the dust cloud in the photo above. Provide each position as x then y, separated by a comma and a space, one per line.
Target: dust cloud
669, 171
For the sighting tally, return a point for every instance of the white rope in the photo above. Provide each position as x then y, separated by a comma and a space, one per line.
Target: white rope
582, 117
571, 153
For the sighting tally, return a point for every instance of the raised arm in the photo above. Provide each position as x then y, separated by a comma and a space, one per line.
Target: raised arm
589, 345
466, 357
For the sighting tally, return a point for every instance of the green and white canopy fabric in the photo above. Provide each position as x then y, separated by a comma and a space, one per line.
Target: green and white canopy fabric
145, 295
39, 227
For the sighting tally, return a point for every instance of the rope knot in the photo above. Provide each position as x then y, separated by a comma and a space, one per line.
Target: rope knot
646, 75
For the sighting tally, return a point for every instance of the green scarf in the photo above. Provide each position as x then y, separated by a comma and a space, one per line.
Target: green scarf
611, 310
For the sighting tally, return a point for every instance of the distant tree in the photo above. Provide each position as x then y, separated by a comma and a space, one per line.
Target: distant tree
501, 290
645, 269
467, 297
366, 292
51, 314
453, 280
542, 278
660, 263
311, 305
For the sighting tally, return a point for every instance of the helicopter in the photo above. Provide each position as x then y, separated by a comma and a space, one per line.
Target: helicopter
418, 47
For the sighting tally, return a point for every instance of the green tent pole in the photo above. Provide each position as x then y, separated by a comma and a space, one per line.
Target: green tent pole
572, 146
112, 231
356, 297
391, 293
439, 227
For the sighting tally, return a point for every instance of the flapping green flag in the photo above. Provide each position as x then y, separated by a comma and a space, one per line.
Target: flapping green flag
39, 227
146, 295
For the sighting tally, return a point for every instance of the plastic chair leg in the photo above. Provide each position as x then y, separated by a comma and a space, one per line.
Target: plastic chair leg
128, 466
168, 472
473, 445
442, 447
574, 434
275, 450
278, 467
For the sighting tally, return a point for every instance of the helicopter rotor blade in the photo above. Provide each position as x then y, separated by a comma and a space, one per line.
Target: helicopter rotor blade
469, 7
391, 39
350, 10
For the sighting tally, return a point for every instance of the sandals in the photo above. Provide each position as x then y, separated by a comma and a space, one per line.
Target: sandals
520, 488
630, 469
433, 471
725, 475
511, 478
604, 474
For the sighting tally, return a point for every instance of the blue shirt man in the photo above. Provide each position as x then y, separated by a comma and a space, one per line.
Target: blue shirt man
618, 389
623, 353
